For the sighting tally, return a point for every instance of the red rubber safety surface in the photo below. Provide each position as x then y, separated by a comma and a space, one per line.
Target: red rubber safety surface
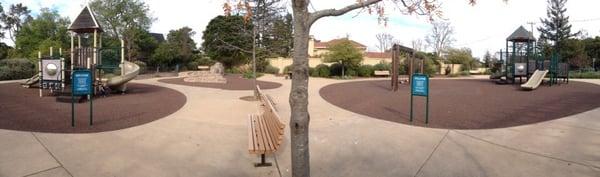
22, 109
465, 104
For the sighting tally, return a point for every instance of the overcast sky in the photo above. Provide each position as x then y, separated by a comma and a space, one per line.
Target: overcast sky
482, 27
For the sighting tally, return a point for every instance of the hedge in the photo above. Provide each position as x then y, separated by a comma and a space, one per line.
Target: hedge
11, 69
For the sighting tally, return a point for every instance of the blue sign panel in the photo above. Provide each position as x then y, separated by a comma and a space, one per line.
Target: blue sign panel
420, 85
82, 82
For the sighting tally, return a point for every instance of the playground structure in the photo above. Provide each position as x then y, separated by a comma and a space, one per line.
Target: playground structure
409, 53
87, 55
522, 60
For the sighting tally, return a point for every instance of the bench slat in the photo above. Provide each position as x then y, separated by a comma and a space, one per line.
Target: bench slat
268, 142
259, 143
251, 137
274, 130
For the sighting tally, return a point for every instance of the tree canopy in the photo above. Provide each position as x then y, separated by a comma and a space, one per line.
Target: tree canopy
123, 19
343, 51
227, 39
555, 27
17, 15
46, 30
181, 40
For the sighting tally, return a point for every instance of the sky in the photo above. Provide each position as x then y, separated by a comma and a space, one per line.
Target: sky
483, 27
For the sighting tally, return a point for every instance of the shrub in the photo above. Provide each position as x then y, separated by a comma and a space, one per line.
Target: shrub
249, 75
350, 72
322, 70
383, 66
312, 73
335, 69
234, 70
205, 61
287, 69
271, 69
193, 65
464, 73
365, 71
16, 69
142, 65
584, 75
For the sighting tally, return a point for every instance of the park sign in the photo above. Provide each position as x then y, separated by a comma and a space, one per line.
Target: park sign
81, 86
82, 82
419, 86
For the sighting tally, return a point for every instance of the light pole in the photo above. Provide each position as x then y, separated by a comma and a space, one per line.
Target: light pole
254, 61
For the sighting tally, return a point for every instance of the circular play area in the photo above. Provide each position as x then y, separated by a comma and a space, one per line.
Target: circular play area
465, 103
23, 109
234, 82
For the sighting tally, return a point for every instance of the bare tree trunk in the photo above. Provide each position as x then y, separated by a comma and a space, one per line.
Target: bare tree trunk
299, 93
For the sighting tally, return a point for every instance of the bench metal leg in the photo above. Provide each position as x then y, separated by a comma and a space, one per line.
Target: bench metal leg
263, 162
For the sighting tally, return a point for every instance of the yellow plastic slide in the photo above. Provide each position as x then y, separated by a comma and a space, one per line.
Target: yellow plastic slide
535, 80
131, 70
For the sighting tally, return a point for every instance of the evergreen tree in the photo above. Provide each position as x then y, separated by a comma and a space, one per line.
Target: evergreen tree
556, 27
487, 59
228, 39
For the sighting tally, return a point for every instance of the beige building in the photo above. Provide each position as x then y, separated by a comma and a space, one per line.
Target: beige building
317, 50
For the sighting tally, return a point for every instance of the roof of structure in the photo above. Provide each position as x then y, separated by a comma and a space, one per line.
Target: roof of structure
158, 37
521, 35
378, 54
85, 22
323, 45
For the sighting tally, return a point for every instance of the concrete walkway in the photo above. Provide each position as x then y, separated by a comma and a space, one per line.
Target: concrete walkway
208, 137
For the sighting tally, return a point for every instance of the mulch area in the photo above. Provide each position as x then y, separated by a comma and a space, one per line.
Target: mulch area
22, 109
234, 82
465, 104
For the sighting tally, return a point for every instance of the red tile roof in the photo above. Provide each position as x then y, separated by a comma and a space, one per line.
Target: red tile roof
378, 55
324, 45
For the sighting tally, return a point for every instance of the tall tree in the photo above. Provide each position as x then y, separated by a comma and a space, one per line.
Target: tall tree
384, 41
13, 20
263, 16
48, 29
417, 44
181, 40
145, 46
487, 59
226, 39
123, 19
280, 38
440, 36
556, 27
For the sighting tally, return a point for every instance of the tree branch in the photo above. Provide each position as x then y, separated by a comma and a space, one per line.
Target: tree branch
333, 12
231, 46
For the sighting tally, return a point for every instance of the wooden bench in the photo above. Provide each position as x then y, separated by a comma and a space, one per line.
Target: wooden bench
265, 130
382, 73
203, 68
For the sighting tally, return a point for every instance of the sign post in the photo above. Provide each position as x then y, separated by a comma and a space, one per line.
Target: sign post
419, 87
81, 86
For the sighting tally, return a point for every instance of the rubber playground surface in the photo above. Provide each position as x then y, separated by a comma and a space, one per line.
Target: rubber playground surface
23, 109
464, 104
234, 82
